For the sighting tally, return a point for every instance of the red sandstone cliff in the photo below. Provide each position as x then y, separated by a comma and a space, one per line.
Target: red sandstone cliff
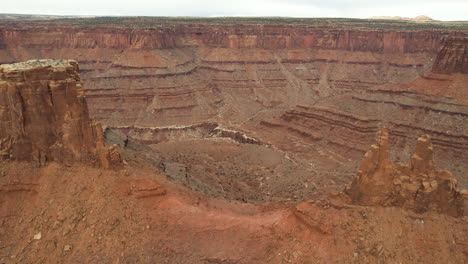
44, 115
452, 57
188, 73
274, 36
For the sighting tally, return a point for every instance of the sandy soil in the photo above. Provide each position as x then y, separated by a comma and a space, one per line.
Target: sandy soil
78, 214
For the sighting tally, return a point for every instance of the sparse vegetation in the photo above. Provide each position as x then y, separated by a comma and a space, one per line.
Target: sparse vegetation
322, 22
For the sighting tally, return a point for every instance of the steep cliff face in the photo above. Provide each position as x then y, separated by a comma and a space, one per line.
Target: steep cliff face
416, 185
45, 117
183, 74
453, 57
179, 35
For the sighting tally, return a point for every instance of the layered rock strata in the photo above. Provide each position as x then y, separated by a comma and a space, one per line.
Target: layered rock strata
155, 135
452, 57
184, 74
416, 185
340, 128
44, 115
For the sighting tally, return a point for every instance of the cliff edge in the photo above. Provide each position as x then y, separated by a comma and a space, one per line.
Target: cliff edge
416, 185
44, 116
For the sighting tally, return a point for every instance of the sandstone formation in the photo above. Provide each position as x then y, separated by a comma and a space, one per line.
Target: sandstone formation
44, 115
187, 73
453, 56
335, 133
416, 185
182, 74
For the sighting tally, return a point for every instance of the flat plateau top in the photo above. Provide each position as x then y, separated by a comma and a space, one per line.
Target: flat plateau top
31, 64
169, 22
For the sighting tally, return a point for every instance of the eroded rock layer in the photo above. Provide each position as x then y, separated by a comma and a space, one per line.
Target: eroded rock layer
337, 130
347, 82
44, 115
416, 185
453, 56
183, 74
155, 135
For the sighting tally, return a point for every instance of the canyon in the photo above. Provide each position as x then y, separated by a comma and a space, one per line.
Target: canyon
249, 75
126, 139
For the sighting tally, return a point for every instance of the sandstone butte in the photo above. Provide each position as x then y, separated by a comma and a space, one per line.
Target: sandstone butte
417, 185
232, 143
45, 116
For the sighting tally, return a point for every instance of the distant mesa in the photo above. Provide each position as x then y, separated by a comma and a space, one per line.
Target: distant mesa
418, 18
21, 17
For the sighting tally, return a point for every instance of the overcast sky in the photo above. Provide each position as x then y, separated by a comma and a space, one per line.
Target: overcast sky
436, 9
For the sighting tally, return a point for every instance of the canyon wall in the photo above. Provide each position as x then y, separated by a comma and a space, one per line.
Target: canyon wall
44, 115
327, 89
452, 57
182, 74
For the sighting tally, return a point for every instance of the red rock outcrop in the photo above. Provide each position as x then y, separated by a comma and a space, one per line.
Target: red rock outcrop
452, 57
416, 185
44, 115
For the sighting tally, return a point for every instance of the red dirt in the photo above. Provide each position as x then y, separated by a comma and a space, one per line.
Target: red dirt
134, 215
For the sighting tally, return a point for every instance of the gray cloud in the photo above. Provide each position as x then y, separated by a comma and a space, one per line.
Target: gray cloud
442, 10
